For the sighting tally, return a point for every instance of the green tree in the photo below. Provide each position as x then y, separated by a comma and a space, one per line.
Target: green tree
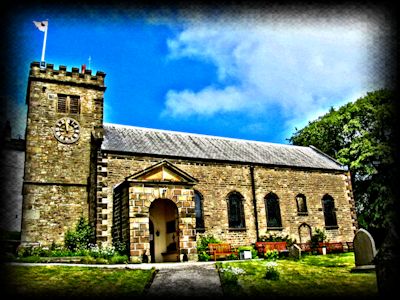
360, 135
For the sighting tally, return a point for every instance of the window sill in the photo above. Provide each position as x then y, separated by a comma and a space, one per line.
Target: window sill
201, 230
331, 227
275, 228
302, 213
237, 229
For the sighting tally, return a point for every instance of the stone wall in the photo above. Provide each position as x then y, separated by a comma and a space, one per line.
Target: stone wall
287, 183
217, 180
50, 210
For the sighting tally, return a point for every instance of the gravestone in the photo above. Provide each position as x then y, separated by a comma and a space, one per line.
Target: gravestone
295, 251
364, 251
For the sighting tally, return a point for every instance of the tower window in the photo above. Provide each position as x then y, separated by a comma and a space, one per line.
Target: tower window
68, 104
74, 105
62, 104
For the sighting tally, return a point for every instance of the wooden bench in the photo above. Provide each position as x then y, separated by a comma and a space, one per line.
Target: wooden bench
350, 246
221, 250
305, 247
263, 247
334, 247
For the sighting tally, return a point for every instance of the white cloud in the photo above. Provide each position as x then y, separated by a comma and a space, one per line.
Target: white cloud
302, 69
206, 102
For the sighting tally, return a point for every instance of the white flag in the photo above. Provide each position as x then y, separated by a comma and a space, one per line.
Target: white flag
42, 26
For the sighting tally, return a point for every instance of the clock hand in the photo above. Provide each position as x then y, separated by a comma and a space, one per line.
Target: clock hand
66, 125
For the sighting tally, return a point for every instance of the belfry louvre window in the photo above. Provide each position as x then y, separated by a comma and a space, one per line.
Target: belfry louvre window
328, 206
62, 104
236, 211
273, 212
74, 105
68, 104
198, 198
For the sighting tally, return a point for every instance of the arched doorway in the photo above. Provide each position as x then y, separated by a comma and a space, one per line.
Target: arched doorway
163, 224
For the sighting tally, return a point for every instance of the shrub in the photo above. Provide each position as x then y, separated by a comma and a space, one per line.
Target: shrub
202, 243
242, 248
271, 254
88, 260
230, 275
254, 253
272, 271
64, 252
203, 256
232, 256
24, 251
54, 246
102, 261
120, 247
319, 236
277, 238
202, 246
30, 259
81, 237
40, 251
119, 259
97, 251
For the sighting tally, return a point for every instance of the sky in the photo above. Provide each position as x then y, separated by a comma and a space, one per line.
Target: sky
253, 74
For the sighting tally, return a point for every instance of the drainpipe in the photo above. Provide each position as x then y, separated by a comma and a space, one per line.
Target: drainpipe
253, 190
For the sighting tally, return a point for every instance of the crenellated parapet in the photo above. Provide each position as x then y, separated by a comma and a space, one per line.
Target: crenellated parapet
62, 76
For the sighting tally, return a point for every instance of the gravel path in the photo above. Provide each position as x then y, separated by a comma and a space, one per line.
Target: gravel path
199, 280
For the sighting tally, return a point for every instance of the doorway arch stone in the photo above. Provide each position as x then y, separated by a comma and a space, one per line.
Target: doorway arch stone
304, 233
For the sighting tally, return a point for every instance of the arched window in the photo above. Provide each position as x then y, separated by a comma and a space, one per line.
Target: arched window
273, 211
198, 199
328, 206
236, 210
301, 204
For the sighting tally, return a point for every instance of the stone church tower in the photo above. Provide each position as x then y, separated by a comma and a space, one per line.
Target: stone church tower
63, 135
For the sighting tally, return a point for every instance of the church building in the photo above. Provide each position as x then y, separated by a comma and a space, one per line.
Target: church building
158, 190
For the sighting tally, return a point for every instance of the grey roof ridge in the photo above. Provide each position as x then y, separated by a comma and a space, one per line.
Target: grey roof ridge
209, 136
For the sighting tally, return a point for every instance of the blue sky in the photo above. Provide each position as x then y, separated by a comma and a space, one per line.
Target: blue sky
254, 75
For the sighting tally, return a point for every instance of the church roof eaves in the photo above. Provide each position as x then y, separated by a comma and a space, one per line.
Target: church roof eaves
157, 142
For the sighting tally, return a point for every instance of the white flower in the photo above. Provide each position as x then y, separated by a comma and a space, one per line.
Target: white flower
271, 265
233, 270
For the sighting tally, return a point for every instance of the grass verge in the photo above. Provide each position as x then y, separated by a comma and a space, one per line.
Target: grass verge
311, 276
72, 282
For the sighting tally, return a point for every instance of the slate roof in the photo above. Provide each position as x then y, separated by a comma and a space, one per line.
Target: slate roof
139, 140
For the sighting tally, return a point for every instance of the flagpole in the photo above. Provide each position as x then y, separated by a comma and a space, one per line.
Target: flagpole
42, 62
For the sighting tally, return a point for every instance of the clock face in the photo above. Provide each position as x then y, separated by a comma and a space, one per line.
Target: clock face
67, 130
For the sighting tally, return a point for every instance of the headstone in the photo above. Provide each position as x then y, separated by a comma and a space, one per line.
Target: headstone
295, 251
364, 251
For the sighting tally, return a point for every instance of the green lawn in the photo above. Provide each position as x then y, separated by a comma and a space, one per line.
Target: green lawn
313, 275
66, 281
